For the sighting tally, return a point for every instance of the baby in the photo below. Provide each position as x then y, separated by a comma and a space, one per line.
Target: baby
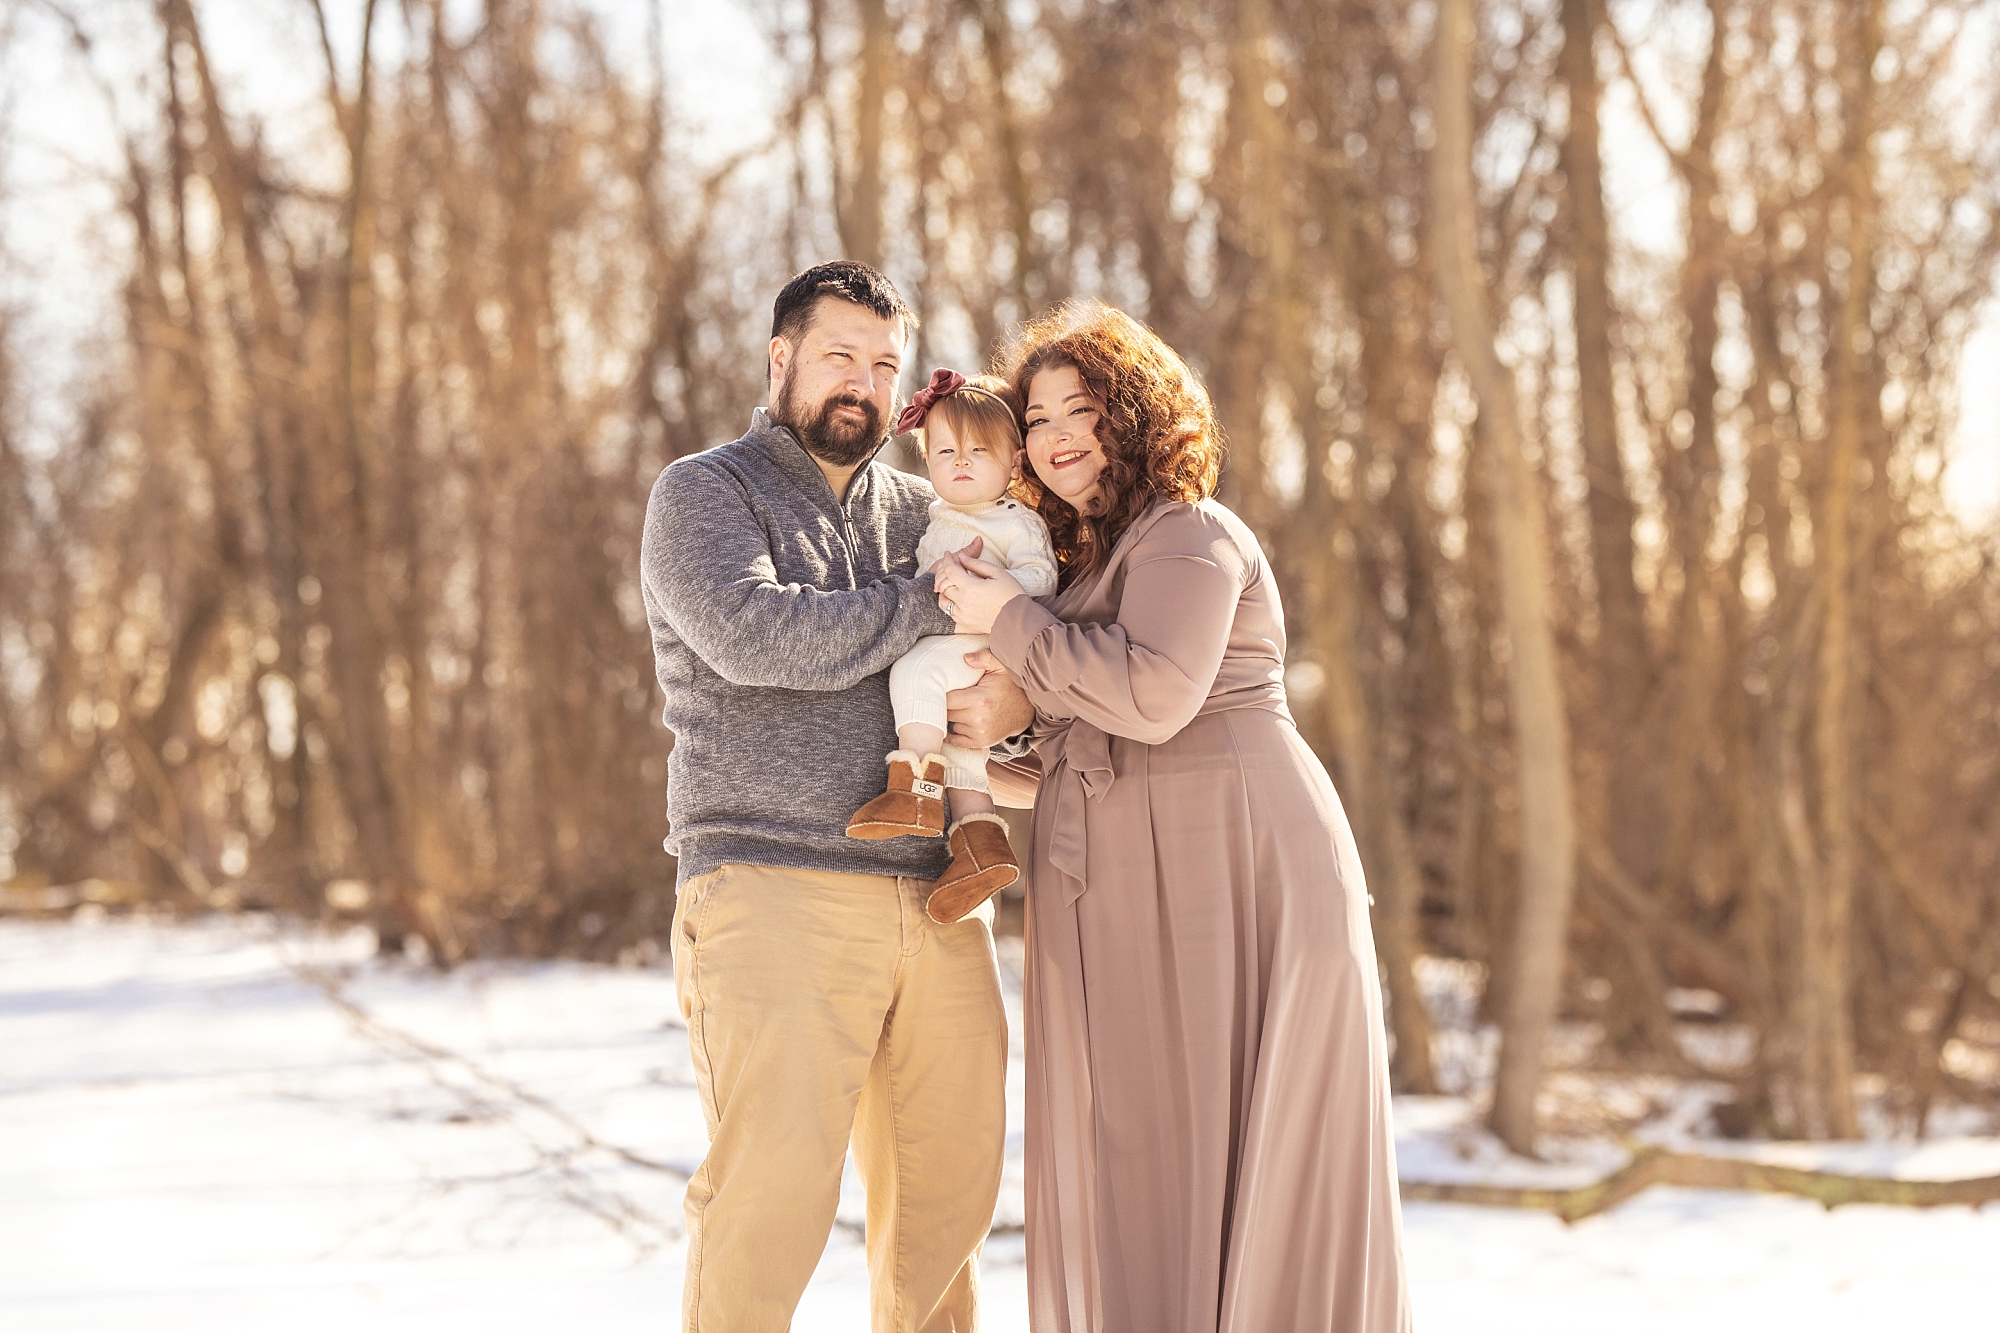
970, 435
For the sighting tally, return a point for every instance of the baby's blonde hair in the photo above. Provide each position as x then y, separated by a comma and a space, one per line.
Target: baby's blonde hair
985, 408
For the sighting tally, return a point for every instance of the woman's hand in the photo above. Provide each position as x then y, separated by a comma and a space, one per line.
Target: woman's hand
972, 592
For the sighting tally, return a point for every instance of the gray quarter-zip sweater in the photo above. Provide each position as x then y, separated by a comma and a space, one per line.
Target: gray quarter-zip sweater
776, 612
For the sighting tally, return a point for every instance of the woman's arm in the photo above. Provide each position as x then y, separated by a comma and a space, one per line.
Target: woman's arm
1145, 675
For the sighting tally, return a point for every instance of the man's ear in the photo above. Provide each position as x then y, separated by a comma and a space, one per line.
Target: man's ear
781, 359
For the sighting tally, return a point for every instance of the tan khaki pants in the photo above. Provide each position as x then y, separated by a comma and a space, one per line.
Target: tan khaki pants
823, 1008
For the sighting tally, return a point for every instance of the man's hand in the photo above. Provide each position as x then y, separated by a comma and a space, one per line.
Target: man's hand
988, 711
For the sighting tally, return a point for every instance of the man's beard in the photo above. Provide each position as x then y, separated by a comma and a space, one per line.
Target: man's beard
842, 442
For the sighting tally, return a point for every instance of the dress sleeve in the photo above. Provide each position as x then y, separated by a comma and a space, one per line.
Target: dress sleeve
1145, 675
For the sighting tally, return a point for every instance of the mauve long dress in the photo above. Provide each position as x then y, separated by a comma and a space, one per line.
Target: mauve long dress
1209, 1145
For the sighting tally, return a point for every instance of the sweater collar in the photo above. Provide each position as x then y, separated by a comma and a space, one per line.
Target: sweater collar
782, 446
983, 507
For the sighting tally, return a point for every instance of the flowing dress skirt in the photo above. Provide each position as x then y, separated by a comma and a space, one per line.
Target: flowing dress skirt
1209, 1145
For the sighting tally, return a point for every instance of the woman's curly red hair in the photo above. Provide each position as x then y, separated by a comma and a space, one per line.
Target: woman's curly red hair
1157, 429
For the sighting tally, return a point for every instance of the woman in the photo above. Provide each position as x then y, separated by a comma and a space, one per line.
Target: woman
1208, 1137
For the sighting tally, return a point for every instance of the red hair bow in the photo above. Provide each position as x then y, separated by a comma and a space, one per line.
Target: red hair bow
944, 383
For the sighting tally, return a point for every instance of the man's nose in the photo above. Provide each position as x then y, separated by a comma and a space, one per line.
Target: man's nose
858, 382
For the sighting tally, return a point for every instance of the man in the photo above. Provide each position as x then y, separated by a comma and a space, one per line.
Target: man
823, 1005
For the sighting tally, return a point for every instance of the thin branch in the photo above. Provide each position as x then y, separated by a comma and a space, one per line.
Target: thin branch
1684, 162
333, 94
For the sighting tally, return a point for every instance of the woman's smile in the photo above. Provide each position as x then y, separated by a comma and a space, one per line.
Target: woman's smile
1062, 437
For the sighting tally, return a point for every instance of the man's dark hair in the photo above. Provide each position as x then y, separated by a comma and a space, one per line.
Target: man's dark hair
847, 279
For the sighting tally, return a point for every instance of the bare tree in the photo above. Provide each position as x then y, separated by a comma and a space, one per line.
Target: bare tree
1541, 726
328, 584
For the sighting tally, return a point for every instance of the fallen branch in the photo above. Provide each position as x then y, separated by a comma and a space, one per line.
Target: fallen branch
1661, 1166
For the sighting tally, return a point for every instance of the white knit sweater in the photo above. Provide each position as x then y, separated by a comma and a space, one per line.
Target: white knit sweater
1015, 536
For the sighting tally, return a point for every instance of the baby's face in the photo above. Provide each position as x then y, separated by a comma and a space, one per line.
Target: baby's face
967, 472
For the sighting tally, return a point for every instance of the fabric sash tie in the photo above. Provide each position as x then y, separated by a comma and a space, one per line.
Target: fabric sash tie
1081, 770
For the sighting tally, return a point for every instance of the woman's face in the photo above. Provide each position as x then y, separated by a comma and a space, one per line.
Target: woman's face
1062, 436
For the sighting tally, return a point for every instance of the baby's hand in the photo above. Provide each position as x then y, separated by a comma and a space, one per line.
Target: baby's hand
967, 552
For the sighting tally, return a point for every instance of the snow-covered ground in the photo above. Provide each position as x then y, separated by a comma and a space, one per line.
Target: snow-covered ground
232, 1126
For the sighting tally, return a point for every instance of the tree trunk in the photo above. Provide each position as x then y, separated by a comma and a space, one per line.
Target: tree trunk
1364, 721
1696, 471
357, 652
1624, 668
1252, 247
1828, 902
1397, 884
861, 218
997, 48
1541, 729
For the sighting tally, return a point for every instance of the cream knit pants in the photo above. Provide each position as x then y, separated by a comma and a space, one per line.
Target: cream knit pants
918, 682
827, 1009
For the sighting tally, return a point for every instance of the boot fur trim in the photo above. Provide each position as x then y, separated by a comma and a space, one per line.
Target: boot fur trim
982, 864
919, 767
911, 804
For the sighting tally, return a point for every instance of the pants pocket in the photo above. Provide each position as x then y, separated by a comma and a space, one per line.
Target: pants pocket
690, 908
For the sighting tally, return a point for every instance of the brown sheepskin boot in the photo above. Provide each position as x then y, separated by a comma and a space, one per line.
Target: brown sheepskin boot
982, 864
912, 807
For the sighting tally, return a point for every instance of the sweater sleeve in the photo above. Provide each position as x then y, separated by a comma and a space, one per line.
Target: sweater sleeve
706, 563
1031, 557
1145, 675
948, 532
